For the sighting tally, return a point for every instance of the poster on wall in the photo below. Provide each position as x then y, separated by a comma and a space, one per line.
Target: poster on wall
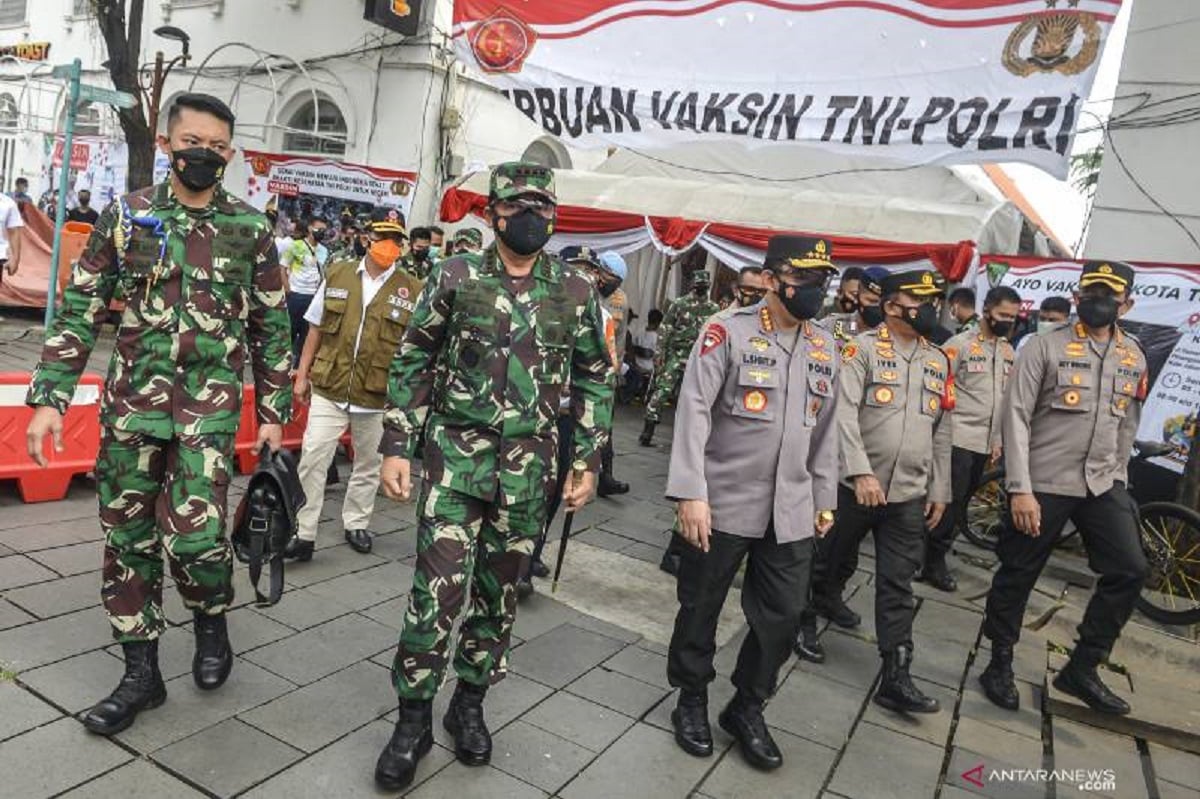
307, 186
98, 164
1165, 318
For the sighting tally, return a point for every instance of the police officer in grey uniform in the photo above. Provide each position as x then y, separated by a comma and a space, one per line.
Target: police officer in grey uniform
1070, 415
981, 358
754, 470
894, 434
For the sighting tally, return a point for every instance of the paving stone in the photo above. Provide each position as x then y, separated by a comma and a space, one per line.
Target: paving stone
617, 691
939, 661
347, 700
651, 553
11, 615
465, 782
604, 539
965, 773
138, 779
654, 533
1027, 721
649, 763
365, 588
345, 770
73, 559
33, 765
76, 683
228, 757
538, 757
1078, 746
324, 649
805, 766
813, 707
330, 563
945, 622
301, 609
36, 523
1172, 765
931, 727
189, 710
390, 614
540, 614
22, 710
506, 701
999, 743
58, 596
872, 762
562, 655
33, 645
1170, 790
580, 721
583, 621
641, 664
398, 544
848, 660
18, 570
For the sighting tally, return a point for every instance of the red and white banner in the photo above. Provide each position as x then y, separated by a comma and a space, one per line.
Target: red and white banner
272, 174
919, 81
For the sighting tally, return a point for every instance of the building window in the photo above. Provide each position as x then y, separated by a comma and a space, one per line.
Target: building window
81, 8
10, 115
329, 123
12, 12
547, 152
89, 120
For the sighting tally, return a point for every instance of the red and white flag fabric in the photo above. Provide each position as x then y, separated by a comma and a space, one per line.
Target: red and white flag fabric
915, 81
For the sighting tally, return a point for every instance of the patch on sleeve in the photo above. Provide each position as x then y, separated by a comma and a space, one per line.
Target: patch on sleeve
1143, 389
714, 336
849, 351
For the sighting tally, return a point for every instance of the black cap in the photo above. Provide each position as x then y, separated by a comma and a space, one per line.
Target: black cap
575, 254
388, 220
1116, 275
917, 282
801, 252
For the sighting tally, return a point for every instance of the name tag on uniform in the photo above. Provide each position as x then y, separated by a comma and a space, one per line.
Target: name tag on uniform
336, 294
400, 302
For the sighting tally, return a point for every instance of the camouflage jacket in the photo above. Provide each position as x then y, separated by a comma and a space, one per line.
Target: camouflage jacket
681, 327
199, 286
421, 270
481, 369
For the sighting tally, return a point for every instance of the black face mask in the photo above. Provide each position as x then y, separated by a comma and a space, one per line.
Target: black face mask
525, 232
802, 302
1098, 311
848, 304
923, 319
701, 290
1001, 327
84, 203
606, 287
420, 255
748, 297
318, 235
198, 168
872, 315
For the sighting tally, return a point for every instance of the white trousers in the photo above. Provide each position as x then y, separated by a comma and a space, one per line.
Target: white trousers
326, 423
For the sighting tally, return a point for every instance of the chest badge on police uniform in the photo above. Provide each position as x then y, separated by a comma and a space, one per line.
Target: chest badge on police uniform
760, 376
754, 401
1075, 349
760, 344
883, 395
1071, 398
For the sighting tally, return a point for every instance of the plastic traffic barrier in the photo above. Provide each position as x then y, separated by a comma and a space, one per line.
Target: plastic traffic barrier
293, 432
81, 438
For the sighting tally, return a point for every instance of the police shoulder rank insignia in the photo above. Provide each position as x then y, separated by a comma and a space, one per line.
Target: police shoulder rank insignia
952, 353
1143, 389
714, 336
849, 351
754, 401
336, 293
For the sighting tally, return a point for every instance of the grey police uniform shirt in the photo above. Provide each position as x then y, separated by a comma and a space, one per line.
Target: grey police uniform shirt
893, 418
981, 368
1071, 412
755, 429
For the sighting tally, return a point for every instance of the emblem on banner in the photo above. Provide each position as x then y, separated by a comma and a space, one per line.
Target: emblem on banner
1054, 33
996, 270
502, 42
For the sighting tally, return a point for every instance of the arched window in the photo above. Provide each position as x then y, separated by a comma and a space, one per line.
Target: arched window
547, 152
89, 120
10, 115
328, 120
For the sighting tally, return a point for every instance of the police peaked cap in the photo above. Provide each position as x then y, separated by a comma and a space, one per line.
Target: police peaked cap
388, 220
574, 254
916, 282
801, 252
1116, 275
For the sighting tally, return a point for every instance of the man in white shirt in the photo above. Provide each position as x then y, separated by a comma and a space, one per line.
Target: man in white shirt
10, 235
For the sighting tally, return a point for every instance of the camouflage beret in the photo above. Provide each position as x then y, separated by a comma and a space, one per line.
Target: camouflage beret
471, 235
516, 178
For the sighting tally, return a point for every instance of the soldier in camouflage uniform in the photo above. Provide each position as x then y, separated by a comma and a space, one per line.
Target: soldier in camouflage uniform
198, 271
493, 340
678, 333
418, 262
467, 240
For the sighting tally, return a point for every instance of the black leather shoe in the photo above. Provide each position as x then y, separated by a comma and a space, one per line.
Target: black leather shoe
141, 688
411, 740
214, 656
464, 720
896, 689
808, 645
298, 549
939, 576
744, 721
1079, 679
332, 477
539, 569
524, 588
359, 540
609, 486
690, 720
997, 679
646, 439
837, 612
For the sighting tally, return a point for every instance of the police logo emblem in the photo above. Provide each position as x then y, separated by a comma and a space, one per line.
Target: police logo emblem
883, 395
1071, 398
1054, 35
849, 351
754, 401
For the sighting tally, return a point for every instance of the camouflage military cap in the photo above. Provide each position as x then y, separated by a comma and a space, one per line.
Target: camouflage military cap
516, 178
701, 278
471, 235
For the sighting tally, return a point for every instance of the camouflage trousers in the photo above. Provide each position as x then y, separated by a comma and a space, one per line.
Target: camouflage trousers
463, 542
163, 494
665, 389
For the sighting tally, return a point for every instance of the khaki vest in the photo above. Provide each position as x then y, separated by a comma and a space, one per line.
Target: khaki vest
339, 374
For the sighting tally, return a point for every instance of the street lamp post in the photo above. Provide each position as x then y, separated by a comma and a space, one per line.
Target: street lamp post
162, 68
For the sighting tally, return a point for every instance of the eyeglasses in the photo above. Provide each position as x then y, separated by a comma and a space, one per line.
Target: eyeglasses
539, 205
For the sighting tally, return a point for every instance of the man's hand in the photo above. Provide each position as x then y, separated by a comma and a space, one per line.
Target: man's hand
868, 492
270, 435
823, 525
578, 490
997, 452
695, 522
396, 477
1027, 514
45, 420
933, 513
301, 388
10, 266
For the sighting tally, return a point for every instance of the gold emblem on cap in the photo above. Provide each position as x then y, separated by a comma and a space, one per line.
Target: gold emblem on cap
1105, 269
927, 279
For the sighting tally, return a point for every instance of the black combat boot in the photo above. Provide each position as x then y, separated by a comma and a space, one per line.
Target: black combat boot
299, 550
997, 678
214, 655
1079, 679
464, 720
608, 485
937, 574
141, 688
743, 719
896, 689
411, 740
690, 720
836, 610
647, 437
808, 645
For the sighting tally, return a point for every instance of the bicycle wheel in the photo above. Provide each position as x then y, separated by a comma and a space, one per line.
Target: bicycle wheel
1171, 542
985, 510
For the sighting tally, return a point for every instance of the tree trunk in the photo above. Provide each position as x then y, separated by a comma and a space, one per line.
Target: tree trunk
124, 44
1189, 486
141, 152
